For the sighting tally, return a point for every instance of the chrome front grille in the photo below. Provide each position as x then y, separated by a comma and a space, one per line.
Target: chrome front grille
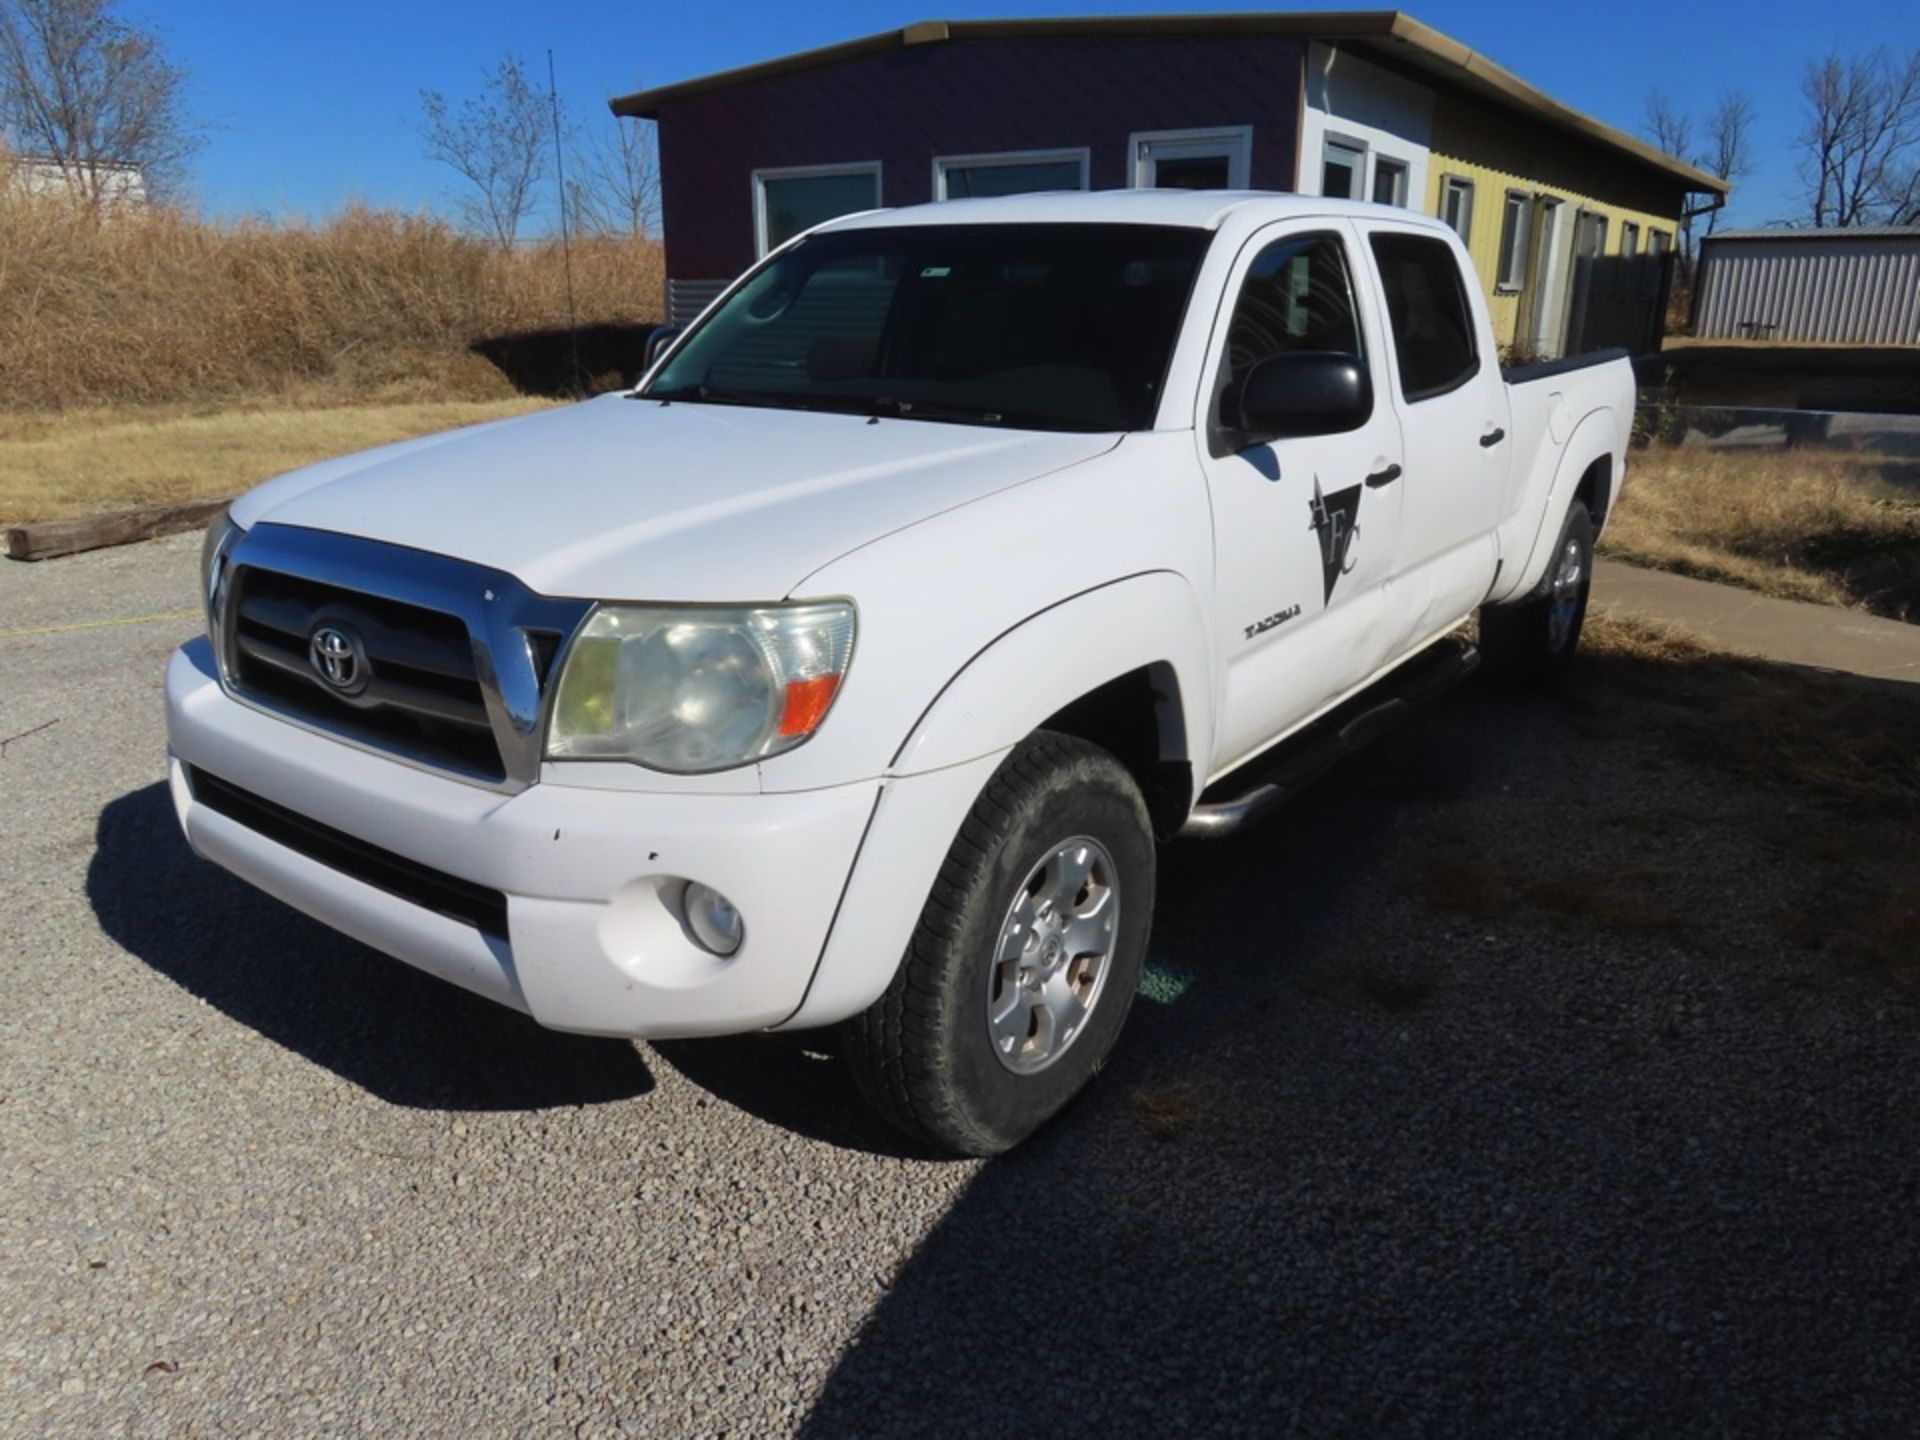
439, 662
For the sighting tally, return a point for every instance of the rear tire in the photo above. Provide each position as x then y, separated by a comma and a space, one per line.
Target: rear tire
1532, 642
1025, 960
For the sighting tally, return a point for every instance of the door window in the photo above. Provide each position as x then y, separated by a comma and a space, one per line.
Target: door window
1432, 328
1297, 296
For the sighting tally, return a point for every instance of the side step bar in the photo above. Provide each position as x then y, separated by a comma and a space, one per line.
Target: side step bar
1297, 761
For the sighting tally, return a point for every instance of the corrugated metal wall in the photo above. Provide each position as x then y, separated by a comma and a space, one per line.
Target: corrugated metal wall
1858, 291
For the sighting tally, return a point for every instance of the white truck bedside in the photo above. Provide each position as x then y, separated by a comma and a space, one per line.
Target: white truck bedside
848, 670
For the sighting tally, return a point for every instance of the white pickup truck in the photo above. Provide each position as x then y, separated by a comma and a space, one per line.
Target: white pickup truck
847, 670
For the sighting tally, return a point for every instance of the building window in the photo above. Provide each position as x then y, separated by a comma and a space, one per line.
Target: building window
785, 202
1512, 274
1220, 159
1629, 239
1433, 342
1341, 167
1389, 181
1456, 206
962, 177
1657, 242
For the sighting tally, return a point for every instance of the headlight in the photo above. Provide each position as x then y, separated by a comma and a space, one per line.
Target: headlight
690, 690
213, 564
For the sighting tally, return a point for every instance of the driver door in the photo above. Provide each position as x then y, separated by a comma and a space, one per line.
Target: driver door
1304, 528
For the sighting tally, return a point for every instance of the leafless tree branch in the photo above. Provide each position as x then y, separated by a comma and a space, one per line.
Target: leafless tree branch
496, 142
617, 189
1861, 140
91, 95
1729, 145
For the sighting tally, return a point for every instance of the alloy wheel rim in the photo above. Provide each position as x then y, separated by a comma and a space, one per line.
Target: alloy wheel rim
1053, 955
1564, 604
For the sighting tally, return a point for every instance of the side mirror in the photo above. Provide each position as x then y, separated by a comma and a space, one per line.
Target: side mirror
1308, 392
659, 339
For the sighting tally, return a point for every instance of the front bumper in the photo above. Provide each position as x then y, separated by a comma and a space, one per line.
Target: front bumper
594, 942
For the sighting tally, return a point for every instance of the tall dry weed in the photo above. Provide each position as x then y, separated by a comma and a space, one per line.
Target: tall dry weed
154, 305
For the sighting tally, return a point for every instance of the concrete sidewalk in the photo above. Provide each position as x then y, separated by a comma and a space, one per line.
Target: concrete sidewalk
1747, 623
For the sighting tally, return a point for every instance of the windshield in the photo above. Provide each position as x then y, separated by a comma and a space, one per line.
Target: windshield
1052, 327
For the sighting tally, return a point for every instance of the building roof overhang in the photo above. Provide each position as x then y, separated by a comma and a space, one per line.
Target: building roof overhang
1390, 33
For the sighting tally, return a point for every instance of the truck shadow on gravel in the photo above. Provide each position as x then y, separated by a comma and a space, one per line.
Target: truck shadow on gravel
1390, 1157
400, 1035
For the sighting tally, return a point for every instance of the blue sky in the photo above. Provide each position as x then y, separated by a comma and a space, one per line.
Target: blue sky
310, 106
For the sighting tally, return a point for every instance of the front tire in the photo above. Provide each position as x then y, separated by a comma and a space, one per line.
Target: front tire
1532, 642
1025, 960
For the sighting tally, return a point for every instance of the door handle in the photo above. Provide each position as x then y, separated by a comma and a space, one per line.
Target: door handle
1492, 438
1383, 477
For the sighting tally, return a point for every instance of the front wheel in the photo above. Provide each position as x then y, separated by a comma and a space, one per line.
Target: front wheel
1026, 958
1532, 642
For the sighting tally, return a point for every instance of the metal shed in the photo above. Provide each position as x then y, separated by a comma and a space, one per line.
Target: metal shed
1853, 287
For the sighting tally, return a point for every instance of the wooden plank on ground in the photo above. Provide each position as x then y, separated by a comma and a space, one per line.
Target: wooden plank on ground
44, 539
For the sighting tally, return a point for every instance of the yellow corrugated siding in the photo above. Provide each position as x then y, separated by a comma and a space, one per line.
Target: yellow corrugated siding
1497, 153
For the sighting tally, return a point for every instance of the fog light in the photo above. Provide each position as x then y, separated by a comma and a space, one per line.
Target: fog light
713, 920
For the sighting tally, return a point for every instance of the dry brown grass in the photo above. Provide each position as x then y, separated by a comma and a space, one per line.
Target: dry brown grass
155, 306
1824, 526
71, 462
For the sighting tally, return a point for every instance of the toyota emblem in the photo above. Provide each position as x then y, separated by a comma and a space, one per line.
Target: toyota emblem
337, 658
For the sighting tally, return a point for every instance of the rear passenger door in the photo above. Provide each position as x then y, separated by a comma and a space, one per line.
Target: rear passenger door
1304, 527
1453, 416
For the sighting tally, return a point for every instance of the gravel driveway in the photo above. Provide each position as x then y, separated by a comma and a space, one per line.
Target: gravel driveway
1427, 1173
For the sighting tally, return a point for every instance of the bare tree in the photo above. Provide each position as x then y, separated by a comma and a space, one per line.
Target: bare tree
1729, 145
497, 142
94, 97
1670, 128
616, 190
1671, 131
1861, 139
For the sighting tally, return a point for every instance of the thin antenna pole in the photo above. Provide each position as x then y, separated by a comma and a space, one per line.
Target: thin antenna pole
566, 244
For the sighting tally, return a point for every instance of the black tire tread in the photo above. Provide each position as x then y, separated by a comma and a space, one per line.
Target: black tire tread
915, 1096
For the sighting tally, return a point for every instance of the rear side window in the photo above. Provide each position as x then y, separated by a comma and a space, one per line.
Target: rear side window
1432, 330
1296, 297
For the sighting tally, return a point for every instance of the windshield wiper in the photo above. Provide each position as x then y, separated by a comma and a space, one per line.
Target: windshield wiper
932, 410
871, 405
767, 399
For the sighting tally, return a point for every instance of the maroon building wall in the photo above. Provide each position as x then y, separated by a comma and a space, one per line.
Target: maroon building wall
903, 107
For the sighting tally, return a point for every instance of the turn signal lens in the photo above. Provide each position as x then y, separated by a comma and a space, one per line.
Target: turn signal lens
807, 704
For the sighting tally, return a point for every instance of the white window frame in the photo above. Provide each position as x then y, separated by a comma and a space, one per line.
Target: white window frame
803, 172
1629, 238
1233, 141
1658, 242
1451, 183
1405, 167
1362, 154
997, 158
1504, 284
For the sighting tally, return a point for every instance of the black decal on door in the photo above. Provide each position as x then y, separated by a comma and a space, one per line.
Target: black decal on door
1335, 521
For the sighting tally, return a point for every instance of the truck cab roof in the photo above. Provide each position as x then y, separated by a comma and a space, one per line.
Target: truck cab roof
1197, 209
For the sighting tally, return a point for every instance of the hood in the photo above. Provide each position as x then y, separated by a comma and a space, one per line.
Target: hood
623, 499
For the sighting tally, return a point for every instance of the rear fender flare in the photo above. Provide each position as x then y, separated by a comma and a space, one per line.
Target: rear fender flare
1592, 439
